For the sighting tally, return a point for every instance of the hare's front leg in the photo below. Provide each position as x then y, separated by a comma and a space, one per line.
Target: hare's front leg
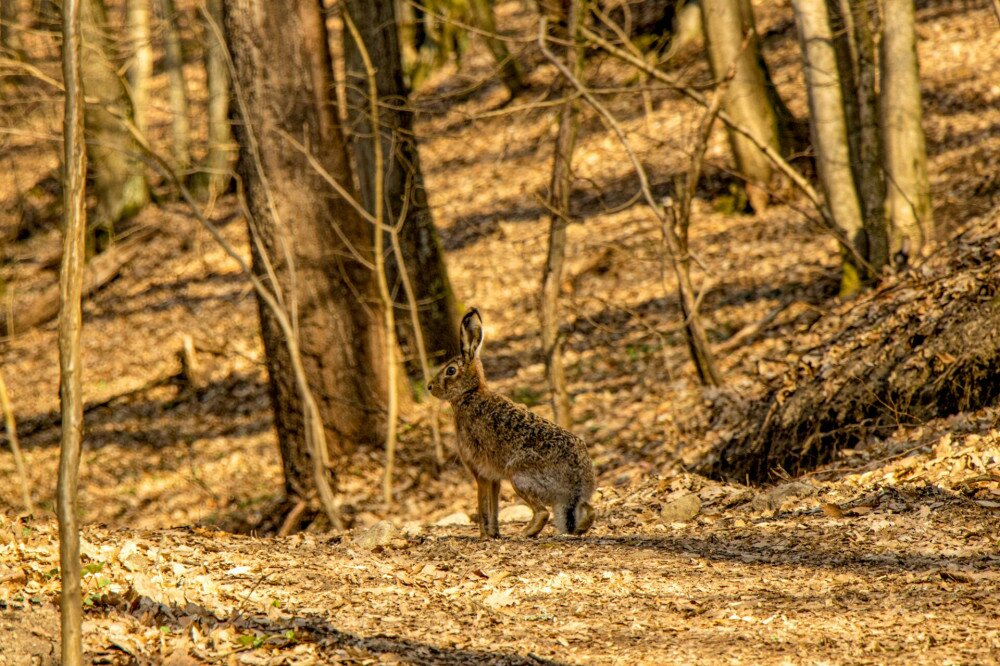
489, 507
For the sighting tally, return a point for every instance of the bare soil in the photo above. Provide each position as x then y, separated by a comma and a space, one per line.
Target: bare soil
888, 554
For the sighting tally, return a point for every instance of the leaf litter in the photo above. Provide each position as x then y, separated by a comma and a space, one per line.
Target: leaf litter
889, 553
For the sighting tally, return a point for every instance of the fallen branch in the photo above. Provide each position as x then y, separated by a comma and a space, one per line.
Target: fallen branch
101, 270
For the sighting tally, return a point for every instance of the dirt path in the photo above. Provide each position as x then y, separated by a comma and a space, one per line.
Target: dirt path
903, 576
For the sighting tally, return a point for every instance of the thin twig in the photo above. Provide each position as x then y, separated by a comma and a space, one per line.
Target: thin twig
776, 159
688, 301
383, 286
411, 301
15, 446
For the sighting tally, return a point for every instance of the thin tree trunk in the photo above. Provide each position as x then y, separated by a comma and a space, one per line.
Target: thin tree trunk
560, 187
908, 201
221, 149
405, 198
871, 181
173, 62
748, 100
510, 69
70, 325
829, 131
141, 70
318, 245
119, 179
844, 48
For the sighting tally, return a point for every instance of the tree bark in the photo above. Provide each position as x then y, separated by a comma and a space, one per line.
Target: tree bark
141, 70
218, 166
908, 202
748, 101
319, 247
70, 325
921, 348
173, 62
859, 19
829, 132
560, 187
405, 198
119, 179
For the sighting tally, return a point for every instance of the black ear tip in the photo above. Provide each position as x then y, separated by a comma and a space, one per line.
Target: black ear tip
473, 312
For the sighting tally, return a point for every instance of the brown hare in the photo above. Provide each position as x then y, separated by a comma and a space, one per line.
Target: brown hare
498, 439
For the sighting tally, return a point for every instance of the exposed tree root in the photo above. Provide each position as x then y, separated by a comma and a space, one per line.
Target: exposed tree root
922, 346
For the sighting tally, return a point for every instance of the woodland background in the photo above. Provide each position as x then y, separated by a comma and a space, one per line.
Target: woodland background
820, 483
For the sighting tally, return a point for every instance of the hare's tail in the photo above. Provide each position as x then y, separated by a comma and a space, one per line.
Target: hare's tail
574, 518
584, 514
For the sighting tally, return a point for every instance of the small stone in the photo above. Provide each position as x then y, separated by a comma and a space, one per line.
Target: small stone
412, 529
457, 518
517, 513
681, 510
775, 498
380, 534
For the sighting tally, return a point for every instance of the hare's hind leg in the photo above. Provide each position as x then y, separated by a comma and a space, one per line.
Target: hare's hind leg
539, 514
537, 522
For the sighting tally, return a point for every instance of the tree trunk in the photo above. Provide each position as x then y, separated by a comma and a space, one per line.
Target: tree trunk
560, 188
173, 62
141, 70
908, 202
119, 179
510, 70
405, 198
922, 348
217, 170
11, 44
845, 49
829, 132
868, 158
318, 245
748, 100
70, 326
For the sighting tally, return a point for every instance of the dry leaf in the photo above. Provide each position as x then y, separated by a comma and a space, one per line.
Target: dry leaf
832, 510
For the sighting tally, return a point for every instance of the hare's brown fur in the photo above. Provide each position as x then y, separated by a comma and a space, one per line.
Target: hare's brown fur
498, 439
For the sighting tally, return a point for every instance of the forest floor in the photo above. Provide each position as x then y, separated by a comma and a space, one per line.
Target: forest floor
891, 553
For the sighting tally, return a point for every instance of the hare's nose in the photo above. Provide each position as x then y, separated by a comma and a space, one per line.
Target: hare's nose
430, 386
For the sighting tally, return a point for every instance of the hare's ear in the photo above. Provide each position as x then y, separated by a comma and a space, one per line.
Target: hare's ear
471, 334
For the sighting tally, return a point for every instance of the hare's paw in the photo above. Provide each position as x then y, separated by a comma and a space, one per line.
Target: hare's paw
537, 522
489, 532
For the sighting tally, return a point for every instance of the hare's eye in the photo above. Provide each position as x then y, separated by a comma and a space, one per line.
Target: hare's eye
451, 371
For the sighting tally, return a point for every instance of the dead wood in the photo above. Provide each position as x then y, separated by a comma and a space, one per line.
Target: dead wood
923, 346
100, 271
